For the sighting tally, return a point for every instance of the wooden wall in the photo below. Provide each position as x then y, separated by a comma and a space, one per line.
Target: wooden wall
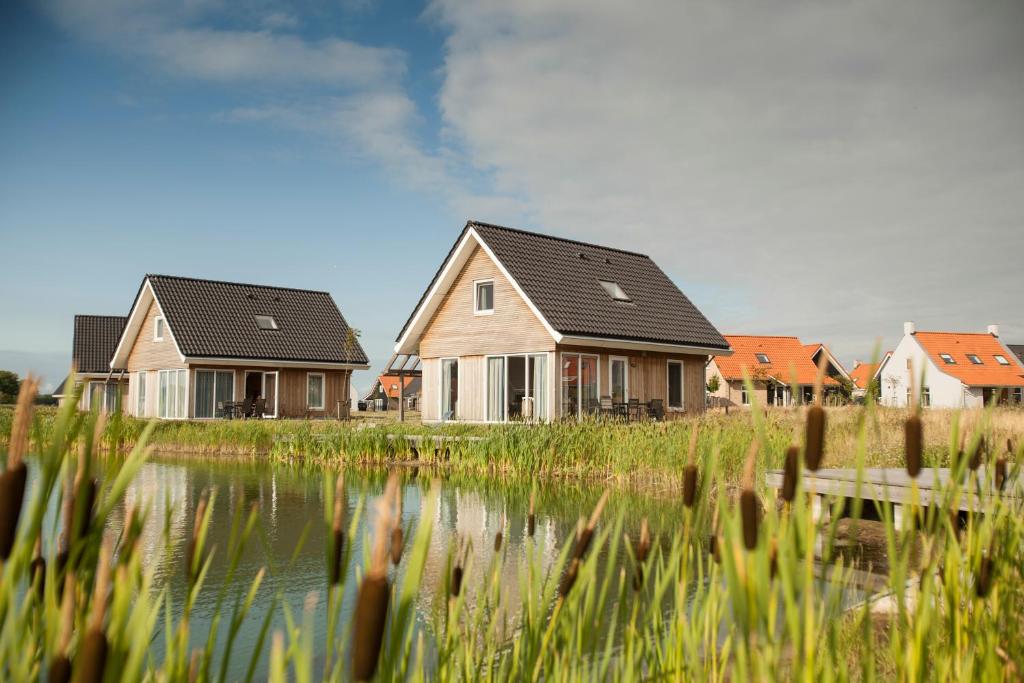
148, 354
454, 330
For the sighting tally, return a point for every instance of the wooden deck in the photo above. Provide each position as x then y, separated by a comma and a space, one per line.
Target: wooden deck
894, 486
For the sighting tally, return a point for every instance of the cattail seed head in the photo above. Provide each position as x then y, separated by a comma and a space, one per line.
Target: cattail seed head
569, 578
37, 570
689, 485
714, 547
92, 657
371, 614
790, 473
773, 559
977, 455
749, 514
12, 494
531, 518
60, 670
497, 542
1001, 468
913, 441
397, 545
338, 531
456, 586
814, 443
983, 581
18, 444
643, 546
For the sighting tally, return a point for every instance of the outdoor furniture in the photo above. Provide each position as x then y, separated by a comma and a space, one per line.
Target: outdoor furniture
607, 407
246, 407
224, 409
633, 409
656, 409
259, 408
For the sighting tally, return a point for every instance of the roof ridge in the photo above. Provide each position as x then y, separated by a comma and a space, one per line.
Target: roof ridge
766, 336
975, 334
99, 315
568, 240
237, 284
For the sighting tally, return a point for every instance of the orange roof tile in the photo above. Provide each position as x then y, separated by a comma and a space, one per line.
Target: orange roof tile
982, 344
789, 361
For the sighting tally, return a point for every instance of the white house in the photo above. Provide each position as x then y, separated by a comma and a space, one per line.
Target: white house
960, 370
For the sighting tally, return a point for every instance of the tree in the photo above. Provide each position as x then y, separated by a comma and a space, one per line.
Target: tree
713, 384
9, 385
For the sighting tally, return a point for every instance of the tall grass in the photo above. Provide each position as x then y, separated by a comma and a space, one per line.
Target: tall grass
728, 591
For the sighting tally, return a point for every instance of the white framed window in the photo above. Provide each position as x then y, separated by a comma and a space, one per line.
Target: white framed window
676, 400
159, 325
763, 359
974, 358
614, 290
581, 385
449, 389
744, 396
618, 378
946, 358
1001, 359
172, 395
140, 394
315, 390
483, 297
266, 322
213, 389
926, 397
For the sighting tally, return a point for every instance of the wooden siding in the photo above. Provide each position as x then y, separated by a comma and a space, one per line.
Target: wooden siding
148, 354
455, 330
291, 399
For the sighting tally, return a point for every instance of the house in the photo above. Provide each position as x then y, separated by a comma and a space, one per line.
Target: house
519, 325
92, 346
189, 346
959, 369
385, 392
867, 377
774, 365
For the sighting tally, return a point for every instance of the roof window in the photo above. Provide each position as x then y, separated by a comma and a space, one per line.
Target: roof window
1001, 359
763, 358
947, 359
614, 291
266, 322
973, 357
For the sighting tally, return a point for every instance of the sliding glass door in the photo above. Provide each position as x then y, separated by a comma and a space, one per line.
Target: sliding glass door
172, 398
449, 388
213, 389
579, 385
517, 388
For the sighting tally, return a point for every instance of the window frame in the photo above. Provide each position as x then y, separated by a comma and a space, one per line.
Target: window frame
681, 408
625, 376
476, 296
559, 359
763, 358
613, 289
173, 401
323, 390
195, 389
159, 328
274, 327
440, 390
947, 358
974, 359
140, 393
1001, 359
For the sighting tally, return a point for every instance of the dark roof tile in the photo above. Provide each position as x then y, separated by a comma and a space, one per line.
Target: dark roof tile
95, 339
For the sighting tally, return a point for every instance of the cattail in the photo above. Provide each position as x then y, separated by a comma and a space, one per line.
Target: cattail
569, 578
773, 559
60, 666
690, 472
12, 481
92, 655
497, 541
584, 535
37, 569
714, 548
748, 500
1001, 467
457, 572
191, 561
977, 455
338, 530
397, 535
374, 593
983, 581
814, 446
790, 473
913, 442
531, 518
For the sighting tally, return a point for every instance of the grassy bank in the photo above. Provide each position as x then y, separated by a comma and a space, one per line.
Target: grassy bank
640, 452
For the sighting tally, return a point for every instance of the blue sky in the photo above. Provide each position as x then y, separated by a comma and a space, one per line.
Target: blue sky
827, 171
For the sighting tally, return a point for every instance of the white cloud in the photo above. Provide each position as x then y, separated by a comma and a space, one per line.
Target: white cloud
846, 165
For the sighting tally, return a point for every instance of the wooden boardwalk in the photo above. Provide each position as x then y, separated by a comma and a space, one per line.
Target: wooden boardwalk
894, 486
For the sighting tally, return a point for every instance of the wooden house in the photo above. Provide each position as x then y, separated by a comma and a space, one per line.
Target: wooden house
522, 326
94, 340
191, 347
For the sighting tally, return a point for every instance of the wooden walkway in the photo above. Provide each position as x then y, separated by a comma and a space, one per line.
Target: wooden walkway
894, 486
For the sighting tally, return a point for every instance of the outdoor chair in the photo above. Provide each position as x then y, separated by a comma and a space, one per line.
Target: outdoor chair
656, 409
259, 408
607, 407
633, 409
222, 410
247, 406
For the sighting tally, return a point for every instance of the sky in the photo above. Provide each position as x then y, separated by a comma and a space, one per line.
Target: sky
827, 170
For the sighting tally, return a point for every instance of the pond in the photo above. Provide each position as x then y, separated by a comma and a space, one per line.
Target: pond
291, 507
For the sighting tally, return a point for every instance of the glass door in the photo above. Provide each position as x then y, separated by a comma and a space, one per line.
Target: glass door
537, 391
270, 393
580, 385
496, 389
619, 371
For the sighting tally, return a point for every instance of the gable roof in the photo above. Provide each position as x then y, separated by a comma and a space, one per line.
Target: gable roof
863, 373
1017, 350
986, 346
560, 280
812, 351
94, 341
789, 360
210, 319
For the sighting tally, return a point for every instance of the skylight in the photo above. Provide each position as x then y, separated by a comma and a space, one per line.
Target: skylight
1002, 359
266, 322
763, 358
614, 291
973, 357
947, 359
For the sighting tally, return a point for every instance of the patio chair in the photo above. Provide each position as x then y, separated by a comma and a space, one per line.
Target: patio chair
222, 410
656, 409
633, 409
247, 407
607, 407
259, 408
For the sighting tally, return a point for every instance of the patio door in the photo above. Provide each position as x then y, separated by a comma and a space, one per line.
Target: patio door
619, 379
270, 393
579, 385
